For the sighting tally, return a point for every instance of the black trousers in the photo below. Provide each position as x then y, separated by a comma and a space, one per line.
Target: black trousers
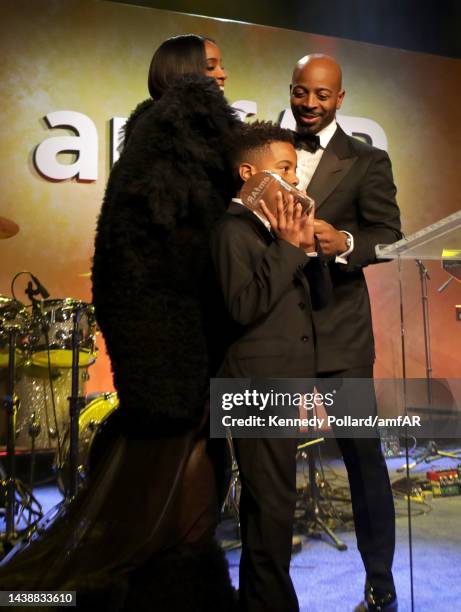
372, 500
267, 504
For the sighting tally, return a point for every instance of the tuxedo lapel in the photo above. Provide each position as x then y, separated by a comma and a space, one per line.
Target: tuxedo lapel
239, 210
336, 162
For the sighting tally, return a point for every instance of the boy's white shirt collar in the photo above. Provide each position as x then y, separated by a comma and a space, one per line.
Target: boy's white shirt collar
259, 215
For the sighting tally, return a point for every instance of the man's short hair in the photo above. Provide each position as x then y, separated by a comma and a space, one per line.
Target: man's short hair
253, 138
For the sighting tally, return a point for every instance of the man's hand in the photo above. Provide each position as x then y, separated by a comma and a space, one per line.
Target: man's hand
286, 224
332, 242
307, 240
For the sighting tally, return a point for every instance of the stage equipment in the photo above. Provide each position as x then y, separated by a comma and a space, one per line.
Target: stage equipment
452, 266
54, 346
441, 242
429, 454
72, 325
91, 422
232, 499
313, 516
76, 401
14, 314
445, 483
52, 341
43, 414
436, 242
15, 493
8, 228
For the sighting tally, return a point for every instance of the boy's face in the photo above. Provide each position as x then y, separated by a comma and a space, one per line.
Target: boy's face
278, 157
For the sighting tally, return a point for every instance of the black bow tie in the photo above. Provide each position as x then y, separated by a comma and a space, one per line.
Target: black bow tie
308, 142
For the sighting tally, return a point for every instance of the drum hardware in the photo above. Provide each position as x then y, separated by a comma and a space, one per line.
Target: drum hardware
53, 325
33, 430
10, 484
42, 325
313, 516
50, 334
76, 403
50, 340
10, 403
53, 433
94, 423
34, 427
40, 353
230, 510
232, 499
13, 312
231, 539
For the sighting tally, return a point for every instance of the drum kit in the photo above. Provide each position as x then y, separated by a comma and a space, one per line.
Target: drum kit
46, 350
42, 372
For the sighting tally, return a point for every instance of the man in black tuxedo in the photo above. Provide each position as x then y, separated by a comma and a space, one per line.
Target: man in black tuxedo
268, 286
352, 185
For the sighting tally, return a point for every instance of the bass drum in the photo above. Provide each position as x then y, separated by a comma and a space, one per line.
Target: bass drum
42, 417
93, 426
43, 413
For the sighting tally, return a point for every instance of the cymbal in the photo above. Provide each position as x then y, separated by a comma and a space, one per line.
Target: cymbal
8, 228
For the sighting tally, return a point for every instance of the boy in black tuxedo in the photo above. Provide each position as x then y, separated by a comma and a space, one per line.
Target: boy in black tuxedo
266, 278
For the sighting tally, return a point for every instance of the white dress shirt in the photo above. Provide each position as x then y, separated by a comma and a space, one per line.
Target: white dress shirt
308, 162
307, 165
260, 216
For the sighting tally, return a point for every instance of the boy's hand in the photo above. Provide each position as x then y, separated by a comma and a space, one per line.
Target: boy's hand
286, 224
307, 239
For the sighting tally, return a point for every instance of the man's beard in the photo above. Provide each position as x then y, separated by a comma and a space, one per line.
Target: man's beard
302, 128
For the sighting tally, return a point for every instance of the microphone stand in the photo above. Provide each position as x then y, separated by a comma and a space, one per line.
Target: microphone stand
424, 277
10, 484
76, 403
37, 312
10, 403
313, 515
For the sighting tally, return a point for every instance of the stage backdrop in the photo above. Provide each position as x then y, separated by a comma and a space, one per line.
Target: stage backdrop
69, 68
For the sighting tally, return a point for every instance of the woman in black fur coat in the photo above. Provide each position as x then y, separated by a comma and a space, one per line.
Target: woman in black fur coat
140, 535
171, 183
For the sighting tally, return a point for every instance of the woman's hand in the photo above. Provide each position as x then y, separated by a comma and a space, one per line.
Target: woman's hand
286, 223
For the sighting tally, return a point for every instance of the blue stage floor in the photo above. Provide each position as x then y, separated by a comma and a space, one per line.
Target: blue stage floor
329, 580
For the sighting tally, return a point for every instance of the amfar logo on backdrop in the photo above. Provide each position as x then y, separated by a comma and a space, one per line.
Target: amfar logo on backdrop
85, 141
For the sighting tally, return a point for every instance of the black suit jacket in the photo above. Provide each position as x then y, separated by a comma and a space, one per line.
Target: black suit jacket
262, 317
354, 190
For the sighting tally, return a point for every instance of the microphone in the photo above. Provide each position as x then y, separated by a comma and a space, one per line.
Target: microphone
40, 288
445, 284
422, 269
427, 452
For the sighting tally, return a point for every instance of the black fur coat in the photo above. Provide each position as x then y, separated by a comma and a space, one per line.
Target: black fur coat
172, 181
